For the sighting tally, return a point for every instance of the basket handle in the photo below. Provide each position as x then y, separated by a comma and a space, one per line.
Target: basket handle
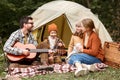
107, 44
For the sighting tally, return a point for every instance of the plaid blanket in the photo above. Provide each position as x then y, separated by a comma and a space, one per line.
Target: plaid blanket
57, 68
35, 70
64, 68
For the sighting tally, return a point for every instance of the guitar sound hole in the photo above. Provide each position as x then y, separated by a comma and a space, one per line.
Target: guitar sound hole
28, 49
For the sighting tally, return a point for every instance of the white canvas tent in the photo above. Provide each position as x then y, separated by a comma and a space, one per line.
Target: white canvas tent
65, 14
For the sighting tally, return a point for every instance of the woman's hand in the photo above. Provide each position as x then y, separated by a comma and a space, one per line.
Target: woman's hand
51, 52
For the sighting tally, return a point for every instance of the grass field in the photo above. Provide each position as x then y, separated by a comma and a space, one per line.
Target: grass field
109, 74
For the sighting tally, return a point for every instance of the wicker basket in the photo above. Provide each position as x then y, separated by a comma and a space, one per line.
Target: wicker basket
112, 52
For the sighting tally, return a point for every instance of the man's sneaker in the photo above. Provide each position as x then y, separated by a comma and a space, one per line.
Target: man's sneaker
81, 72
13, 65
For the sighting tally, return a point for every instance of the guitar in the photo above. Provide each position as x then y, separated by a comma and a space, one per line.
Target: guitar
32, 49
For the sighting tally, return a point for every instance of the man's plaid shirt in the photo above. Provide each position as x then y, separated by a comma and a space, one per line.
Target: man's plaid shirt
17, 36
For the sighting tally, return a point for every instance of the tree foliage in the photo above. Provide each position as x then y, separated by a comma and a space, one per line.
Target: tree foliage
12, 10
108, 12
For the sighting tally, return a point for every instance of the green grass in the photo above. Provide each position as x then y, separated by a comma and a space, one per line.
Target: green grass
108, 74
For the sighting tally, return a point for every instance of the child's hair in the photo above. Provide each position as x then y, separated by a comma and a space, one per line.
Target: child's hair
80, 34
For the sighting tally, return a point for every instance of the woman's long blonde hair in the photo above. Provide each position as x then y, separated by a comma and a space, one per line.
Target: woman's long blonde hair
80, 34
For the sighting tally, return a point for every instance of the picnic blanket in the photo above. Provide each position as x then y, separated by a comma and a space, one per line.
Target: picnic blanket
37, 70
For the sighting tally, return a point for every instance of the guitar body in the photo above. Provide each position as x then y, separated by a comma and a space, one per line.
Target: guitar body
19, 45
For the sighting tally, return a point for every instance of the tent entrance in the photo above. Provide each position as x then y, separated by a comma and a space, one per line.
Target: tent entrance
64, 31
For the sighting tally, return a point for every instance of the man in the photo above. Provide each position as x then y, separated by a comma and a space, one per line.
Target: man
22, 35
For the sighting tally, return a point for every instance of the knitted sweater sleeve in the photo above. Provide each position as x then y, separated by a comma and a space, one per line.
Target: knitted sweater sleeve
94, 46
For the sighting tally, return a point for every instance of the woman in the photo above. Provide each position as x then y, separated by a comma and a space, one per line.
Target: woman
90, 53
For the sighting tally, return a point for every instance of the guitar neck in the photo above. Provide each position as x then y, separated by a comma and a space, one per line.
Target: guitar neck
38, 50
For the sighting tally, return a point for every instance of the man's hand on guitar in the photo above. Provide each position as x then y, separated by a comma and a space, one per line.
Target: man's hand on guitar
61, 51
26, 52
51, 51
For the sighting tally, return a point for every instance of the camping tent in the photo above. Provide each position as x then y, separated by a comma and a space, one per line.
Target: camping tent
64, 14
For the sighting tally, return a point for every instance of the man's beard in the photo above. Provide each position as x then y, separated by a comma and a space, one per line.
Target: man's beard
30, 30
